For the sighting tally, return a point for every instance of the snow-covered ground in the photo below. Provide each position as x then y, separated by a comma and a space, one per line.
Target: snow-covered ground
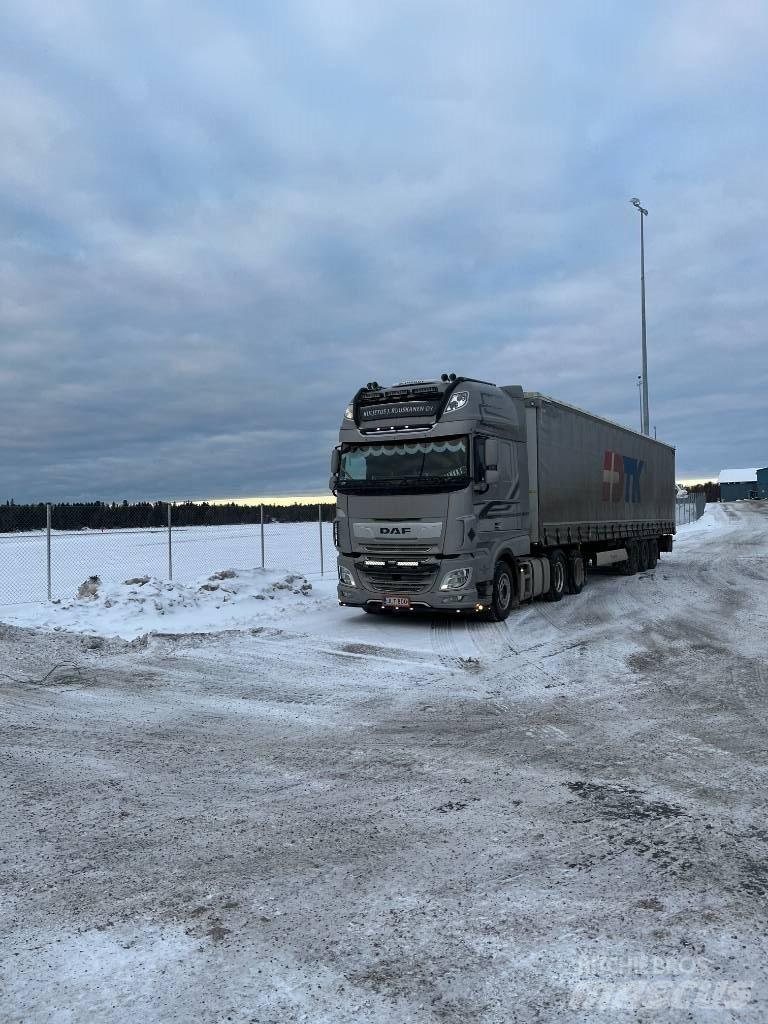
117, 555
325, 816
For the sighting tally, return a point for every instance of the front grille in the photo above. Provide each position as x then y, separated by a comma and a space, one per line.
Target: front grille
391, 580
398, 547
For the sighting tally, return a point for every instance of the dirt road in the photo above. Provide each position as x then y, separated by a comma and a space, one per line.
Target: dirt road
558, 818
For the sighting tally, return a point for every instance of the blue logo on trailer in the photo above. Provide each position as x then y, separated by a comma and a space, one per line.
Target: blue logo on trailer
621, 477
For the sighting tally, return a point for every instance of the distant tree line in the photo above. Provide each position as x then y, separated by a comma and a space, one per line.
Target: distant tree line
103, 515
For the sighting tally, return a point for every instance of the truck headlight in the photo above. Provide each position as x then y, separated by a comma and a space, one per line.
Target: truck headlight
456, 579
349, 412
345, 577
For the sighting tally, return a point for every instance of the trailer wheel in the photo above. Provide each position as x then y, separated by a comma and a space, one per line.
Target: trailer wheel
629, 568
502, 593
653, 553
558, 576
577, 577
642, 556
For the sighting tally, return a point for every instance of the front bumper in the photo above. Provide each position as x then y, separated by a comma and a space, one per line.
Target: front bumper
416, 579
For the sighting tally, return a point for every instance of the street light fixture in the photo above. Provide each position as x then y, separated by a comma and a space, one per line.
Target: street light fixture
643, 213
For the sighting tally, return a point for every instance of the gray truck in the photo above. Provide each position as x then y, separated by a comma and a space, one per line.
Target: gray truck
458, 495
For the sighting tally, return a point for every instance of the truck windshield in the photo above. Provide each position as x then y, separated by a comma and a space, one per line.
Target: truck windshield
422, 465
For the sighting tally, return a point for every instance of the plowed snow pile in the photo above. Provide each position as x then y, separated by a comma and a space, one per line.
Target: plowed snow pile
230, 599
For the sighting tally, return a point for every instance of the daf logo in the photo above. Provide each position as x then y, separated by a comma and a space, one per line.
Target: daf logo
397, 531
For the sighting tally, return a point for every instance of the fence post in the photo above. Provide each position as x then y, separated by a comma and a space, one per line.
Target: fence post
170, 545
262, 534
48, 547
320, 523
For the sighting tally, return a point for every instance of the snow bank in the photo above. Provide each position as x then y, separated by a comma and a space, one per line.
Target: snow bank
714, 518
230, 599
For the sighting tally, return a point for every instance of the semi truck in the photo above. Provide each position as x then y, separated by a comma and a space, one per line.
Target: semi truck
463, 496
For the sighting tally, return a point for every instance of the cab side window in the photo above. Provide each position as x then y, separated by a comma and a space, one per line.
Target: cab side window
479, 459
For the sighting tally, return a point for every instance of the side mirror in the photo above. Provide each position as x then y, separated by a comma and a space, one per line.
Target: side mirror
491, 460
335, 465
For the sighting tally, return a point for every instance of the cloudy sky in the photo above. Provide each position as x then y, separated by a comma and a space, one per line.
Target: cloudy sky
219, 219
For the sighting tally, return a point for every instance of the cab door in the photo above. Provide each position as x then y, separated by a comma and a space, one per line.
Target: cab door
503, 507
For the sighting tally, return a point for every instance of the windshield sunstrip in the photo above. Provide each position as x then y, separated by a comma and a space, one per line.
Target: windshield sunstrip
381, 412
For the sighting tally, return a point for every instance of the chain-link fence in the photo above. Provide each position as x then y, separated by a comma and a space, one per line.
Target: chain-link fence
690, 508
48, 551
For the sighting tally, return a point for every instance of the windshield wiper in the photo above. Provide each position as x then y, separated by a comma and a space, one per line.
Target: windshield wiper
437, 479
403, 483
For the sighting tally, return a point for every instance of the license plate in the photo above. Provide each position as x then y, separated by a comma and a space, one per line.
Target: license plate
397, 602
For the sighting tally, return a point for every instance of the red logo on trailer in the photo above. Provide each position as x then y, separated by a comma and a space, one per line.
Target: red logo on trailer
613, 476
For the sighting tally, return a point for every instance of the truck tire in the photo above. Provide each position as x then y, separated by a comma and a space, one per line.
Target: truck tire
577, 575
629, 568
558, 576
643, 557
502, 593
653, 553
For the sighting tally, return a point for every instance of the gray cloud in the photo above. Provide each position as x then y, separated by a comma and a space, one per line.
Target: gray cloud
217, 222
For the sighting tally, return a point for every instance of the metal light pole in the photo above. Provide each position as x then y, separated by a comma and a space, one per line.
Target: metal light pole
640, 398
643, 213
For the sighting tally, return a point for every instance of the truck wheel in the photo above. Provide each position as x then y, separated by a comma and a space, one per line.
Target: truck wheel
644, 556
629, 568
653, 553
558, 576
578, 572
502, 594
